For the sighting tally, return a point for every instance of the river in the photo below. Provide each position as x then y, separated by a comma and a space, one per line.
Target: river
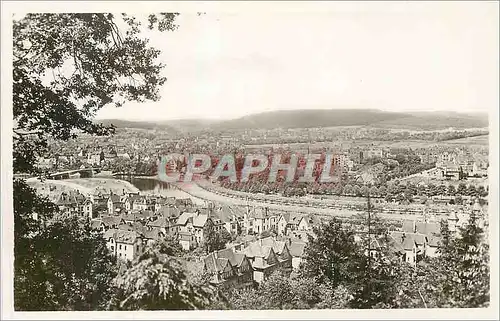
152, 185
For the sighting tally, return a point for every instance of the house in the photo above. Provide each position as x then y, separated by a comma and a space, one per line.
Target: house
187, 240
263, 258
153, 236
229, 268
164, 202
297, 250
114, 204
411, 246
72, 202
163, 224
185, 223
169, 212
88, 209
306, 222
125, 245
288, 222
111, 222
426, 228
184, 202
262, 219
199, 221
129, 201
97, 225
232, 217
282, 251
143, 203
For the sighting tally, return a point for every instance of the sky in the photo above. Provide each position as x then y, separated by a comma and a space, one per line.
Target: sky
394, 56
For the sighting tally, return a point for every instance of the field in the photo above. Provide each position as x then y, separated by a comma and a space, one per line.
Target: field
115, 185
416, 179
53, 188
482, 140
477, 141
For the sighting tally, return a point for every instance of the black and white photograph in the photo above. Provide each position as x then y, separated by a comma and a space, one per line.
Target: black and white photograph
250, 160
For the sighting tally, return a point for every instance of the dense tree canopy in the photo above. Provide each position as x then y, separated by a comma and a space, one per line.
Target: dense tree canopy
65, 68
157, 281
62, 265
68, 66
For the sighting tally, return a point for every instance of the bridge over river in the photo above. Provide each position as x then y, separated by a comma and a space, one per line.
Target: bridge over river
84, 173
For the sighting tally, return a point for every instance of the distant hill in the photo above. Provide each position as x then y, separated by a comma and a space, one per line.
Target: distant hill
312, 118
181, 125
436, 121
319, 118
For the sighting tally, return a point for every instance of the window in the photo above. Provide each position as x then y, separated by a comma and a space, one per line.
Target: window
125, 247
112, 248
120, 247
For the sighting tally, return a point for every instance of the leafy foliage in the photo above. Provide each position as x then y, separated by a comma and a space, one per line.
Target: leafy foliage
214, 240
65, 68
331, 256
155, 282
460, 276
63, 266
68, 66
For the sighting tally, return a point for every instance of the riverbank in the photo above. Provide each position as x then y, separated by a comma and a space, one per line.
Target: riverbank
115, 185
194, 189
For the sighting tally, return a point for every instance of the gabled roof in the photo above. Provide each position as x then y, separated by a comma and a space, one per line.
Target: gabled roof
154, 234
114, 198
408, 226
184, 218
297, 249
427, 228
227, 213
311, 219
111, 220
408, 240
132, 198
125, 227
160, 222
128, 237
285, 216
292, 218
278, 246
109, 234
255, 249
199, 220
234, 258
214, 263
295, 218
96, 224
169, 211
165, 201
146, 214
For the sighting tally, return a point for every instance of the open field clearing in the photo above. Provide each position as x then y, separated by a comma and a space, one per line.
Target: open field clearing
115, 185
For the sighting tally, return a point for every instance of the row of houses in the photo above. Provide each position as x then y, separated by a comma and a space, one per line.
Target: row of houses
245, 265
187, 227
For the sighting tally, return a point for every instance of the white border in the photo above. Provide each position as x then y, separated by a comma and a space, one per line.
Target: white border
8, 8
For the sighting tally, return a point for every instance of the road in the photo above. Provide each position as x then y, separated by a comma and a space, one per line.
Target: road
196, 191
